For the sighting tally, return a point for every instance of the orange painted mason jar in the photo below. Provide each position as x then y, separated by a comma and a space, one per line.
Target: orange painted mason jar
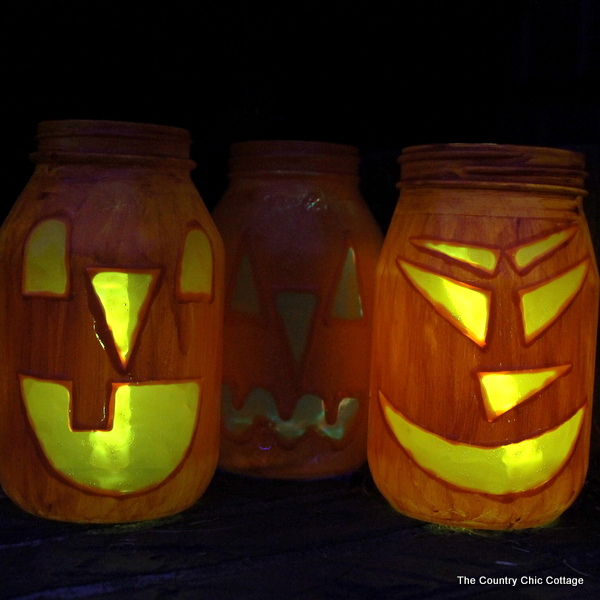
301, 250
484, 337
111, 283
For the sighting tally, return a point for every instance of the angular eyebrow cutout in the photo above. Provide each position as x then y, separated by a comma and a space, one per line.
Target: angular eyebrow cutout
476, 257
525, 256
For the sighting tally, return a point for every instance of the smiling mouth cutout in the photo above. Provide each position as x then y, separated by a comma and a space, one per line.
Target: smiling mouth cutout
505, 469
150, 430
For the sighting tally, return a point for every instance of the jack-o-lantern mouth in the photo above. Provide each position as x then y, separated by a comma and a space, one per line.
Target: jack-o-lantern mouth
149, 433
309, 414
504, 469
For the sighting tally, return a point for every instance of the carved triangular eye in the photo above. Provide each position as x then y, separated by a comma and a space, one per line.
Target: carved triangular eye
525, 256
46, 261
245, 296
125, 297
465, 306
477, 257
543, 303
347, 303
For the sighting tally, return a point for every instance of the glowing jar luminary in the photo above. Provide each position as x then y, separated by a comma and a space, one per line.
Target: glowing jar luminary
301, 247
111, 283
484, 337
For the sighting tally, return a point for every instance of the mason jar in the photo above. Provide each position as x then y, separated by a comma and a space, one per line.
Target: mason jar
111, 287
484, 337
301, 250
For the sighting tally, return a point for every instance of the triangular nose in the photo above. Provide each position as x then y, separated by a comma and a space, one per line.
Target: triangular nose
296, 311
503, 390
125, 297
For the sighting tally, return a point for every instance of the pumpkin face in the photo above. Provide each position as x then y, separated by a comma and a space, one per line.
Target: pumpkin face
111, 287
483, 383
297, 341
110, 412
300, 276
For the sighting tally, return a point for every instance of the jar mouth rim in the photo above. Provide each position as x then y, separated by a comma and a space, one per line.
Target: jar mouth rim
93, 138
493, 163
81, 158
490, 150
287, 157
92, 127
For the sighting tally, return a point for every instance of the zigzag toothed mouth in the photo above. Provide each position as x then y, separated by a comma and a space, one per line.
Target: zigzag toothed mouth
308, 414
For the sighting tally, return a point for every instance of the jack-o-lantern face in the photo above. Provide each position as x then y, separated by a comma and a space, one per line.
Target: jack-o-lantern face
497, 394
296, 344
108, 420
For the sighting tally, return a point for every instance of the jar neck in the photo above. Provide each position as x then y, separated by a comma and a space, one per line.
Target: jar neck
491, 166
292, 158
112, 142
490, 201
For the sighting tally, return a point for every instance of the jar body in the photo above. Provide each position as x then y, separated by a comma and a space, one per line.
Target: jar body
111, 281
302, 248
484, 340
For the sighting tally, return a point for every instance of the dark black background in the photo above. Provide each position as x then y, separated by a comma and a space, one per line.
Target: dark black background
382, 76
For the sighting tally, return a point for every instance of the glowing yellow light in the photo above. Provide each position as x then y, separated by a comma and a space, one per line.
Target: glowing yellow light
484, 259
465, 306
309, 413
503, 390
347, 303
296, 311
125, 297
543, 303
45, 263
245, 296
506, 469
196, 274
111, 448
526, 255
347, 409
151, 430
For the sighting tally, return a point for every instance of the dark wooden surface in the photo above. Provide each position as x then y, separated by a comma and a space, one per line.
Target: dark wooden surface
255, 539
